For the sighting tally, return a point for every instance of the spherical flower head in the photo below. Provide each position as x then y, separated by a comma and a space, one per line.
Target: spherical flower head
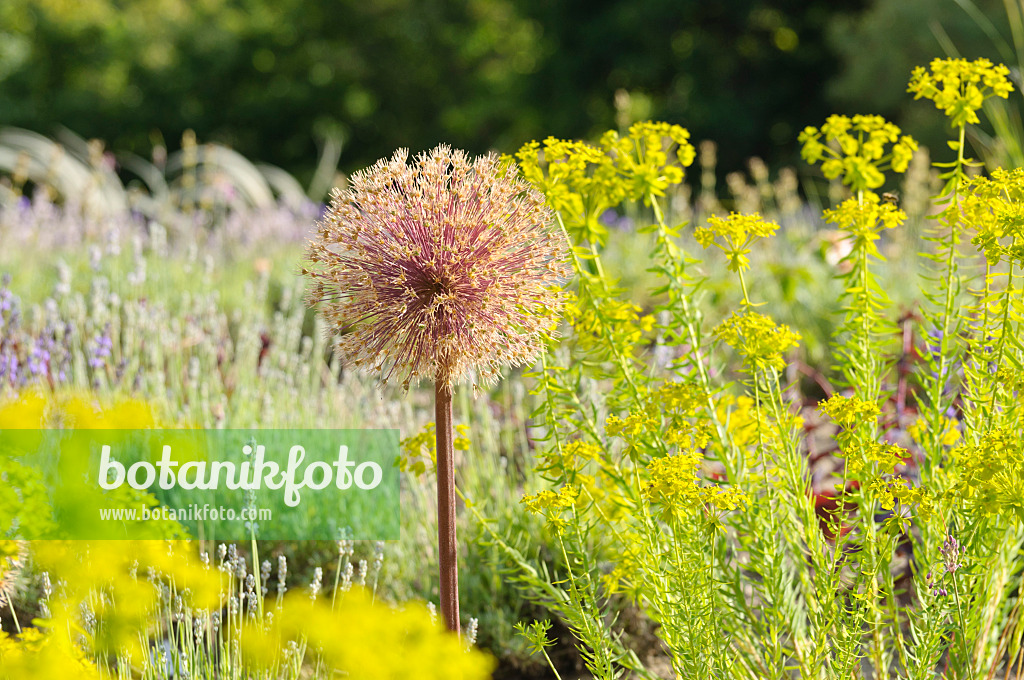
439, 268
857, 149
960, 87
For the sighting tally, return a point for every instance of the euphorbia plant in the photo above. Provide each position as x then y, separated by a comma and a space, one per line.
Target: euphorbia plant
447, 269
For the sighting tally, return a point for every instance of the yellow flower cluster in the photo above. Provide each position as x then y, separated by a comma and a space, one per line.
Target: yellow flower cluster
760, 340
571, 458
991, 473
950, 431
581, 181
862, 153
738, 232
101, 574
680, 397
627, 576
419, 452
635, 424
673, 480
994, 208
674, 485
672, 411
552, 504
896, 490
885, 456
1011, 379
364, 640
866, 218
35, 655
849, 411
742, 419
25, 498
620, 319
81, 410
960, 87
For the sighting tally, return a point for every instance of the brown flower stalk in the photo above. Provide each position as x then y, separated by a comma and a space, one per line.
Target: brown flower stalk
445, 269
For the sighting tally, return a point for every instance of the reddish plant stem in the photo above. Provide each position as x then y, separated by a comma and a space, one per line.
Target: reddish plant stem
446, 544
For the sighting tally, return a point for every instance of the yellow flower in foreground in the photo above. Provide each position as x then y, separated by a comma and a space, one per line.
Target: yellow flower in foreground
675, 486
364, 640
994, 209
552, 504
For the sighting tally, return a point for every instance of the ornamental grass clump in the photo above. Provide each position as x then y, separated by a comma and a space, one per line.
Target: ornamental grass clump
446, 269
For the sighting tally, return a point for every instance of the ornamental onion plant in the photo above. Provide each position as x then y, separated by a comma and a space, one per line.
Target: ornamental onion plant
447, 269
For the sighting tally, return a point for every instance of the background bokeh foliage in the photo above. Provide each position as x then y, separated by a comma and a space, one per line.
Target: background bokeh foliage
275, 79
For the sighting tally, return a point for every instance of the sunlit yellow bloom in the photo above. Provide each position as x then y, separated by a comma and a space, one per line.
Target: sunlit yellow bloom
759, 339
866, 218
960, 87
993, 208
867, 146
737, 232
849, 411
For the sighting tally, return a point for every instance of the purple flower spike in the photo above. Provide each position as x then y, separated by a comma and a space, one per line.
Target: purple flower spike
101, 349
39, 359
952, 554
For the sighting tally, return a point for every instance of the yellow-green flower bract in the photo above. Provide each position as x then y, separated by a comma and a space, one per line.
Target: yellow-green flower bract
439, 268
738, 232
758, 339
866, 218
859, 149
994, 209
960, 87
581, 180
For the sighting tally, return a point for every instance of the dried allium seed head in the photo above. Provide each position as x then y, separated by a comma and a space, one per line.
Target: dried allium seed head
438, 268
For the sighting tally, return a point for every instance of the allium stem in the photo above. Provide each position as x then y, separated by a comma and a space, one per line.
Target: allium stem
447, 547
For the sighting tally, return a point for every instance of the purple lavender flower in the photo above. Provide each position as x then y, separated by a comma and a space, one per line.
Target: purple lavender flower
9, 366
6, 297
39, 359
613, 220
952, 554
101, 349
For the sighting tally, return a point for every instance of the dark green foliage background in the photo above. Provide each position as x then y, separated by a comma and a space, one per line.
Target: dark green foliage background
273, 78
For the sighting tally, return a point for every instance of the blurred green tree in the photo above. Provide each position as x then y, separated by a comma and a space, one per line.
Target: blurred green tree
881, 46
272, 77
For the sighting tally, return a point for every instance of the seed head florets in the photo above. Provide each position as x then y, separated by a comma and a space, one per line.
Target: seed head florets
438, 268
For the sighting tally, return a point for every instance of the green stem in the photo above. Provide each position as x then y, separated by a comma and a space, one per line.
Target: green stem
947, 312
1007, 294
963, 629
